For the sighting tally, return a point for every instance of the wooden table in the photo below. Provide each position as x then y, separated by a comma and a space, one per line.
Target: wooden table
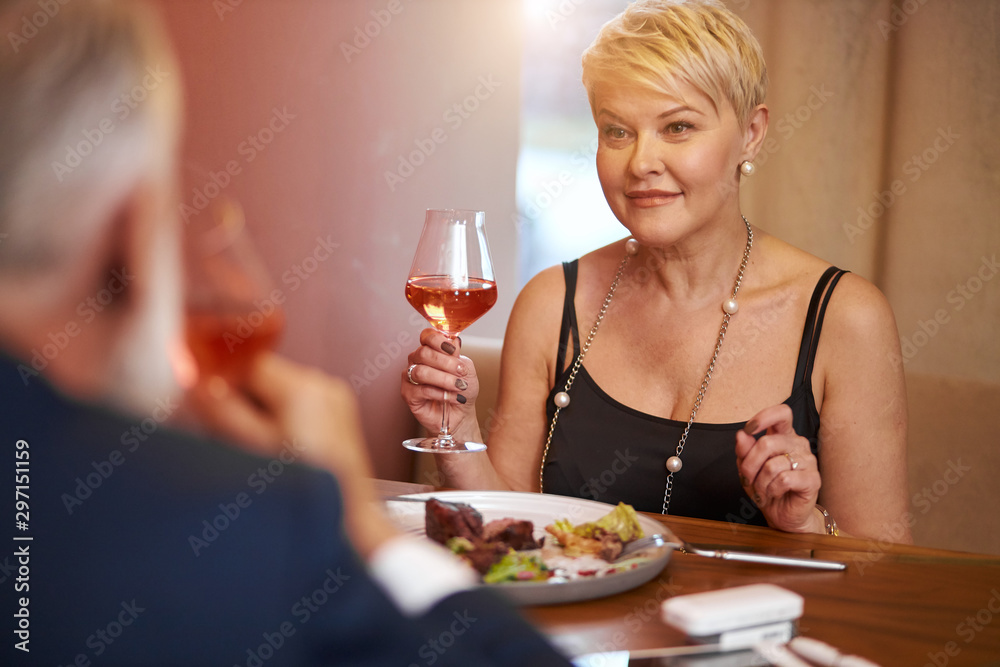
895, 604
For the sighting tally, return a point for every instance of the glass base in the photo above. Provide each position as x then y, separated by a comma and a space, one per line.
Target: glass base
435, 445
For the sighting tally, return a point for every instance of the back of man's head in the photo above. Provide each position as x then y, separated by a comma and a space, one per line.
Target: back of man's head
89, 110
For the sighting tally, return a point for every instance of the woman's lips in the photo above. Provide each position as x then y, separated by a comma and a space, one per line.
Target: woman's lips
649, 198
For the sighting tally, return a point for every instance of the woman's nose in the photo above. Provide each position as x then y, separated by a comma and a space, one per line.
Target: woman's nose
646, 158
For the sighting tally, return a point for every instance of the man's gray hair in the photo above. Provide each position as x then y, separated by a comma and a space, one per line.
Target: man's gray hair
76, 120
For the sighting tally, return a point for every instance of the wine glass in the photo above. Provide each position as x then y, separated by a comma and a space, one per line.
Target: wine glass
233, 311
452, 285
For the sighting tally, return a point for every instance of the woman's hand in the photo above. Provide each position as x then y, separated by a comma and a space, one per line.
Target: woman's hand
779, 472
439, 372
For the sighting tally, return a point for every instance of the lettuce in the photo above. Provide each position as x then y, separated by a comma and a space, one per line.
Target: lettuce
517, 566
459, 545
621, 521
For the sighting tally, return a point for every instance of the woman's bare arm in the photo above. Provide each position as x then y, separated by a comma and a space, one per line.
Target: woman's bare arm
863, 415
526, 373
860, 473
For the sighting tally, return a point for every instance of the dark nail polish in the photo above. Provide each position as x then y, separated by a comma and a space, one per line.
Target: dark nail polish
448, 348
461, 399
751, 427
461, 384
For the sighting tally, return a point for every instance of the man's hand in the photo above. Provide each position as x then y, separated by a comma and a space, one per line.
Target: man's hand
281, 404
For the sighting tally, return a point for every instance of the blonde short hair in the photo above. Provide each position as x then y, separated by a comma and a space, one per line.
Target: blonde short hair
659, 43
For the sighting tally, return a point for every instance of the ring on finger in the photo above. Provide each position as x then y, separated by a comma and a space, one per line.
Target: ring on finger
793, 462
409, 374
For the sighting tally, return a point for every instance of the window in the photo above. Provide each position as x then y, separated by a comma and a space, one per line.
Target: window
562, 211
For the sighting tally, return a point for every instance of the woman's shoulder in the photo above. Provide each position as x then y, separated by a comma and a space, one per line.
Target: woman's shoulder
537, 313
856, 306
550, 283
545, 287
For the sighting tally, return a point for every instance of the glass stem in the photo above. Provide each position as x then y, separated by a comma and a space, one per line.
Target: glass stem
445, 433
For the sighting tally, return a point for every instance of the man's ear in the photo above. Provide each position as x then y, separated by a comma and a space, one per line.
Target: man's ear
755, 132
69, 319
131, 242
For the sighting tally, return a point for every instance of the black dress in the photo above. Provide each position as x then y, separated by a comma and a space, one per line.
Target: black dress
607, 451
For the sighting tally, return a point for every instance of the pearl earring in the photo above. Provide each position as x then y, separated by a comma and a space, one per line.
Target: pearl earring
747, 168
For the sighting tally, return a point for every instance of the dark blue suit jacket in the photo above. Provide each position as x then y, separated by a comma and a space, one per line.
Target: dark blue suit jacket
153, 547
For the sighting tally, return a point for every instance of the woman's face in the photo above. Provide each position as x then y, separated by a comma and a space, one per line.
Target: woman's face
668, 164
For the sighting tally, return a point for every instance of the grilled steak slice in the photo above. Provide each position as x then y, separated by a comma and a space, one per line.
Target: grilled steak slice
517, 534
444, 520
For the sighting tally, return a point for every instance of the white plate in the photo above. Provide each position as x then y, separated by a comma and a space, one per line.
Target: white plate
542, 510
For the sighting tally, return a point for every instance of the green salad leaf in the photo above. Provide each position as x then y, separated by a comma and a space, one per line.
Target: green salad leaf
517, 566
621, 521
460, 545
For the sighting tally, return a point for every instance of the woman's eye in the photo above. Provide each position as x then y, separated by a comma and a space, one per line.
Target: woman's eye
678, 127
615, 132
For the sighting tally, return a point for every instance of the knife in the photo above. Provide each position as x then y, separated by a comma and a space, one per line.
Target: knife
768, 559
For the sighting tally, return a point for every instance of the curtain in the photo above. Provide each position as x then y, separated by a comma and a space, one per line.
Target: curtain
882, 157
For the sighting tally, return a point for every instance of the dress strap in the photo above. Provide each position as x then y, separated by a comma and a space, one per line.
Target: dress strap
814, 323
569, 326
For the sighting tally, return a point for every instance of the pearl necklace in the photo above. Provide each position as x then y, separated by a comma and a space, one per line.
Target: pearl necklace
561, 399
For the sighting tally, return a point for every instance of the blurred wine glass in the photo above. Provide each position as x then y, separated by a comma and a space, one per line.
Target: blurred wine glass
233, 311
452, 285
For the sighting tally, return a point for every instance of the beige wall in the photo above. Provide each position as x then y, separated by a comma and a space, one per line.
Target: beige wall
323, 175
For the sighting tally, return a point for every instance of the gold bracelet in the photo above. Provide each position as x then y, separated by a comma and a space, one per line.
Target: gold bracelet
831, 524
